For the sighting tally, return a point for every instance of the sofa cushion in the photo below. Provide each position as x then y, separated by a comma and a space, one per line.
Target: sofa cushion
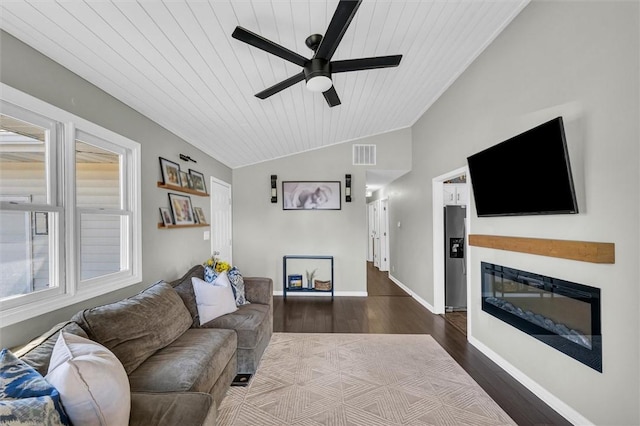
258, 290
235, 279
191, 363
37, 352
184, 288
33, 411
213, 299
93, 384
175, 408
251, 322
237, 283
135, 328
25, 396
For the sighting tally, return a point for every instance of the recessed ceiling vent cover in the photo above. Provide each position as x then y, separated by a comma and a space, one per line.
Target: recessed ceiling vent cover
364, 155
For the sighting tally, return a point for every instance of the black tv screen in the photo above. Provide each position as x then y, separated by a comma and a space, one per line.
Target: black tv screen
528, 174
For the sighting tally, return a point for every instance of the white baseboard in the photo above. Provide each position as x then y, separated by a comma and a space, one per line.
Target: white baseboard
418, 299
550, 399
321, 294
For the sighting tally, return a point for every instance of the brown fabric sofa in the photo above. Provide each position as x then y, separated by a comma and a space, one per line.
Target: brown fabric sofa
253, 323
178, 372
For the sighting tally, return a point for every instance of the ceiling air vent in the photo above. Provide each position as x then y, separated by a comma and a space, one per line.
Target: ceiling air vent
364, 155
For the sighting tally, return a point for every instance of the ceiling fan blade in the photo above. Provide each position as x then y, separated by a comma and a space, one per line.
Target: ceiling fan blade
365, 63
337, 27
332, 97
262, 43
281, 86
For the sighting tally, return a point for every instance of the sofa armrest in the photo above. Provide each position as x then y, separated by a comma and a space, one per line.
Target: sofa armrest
259, 290
172, 408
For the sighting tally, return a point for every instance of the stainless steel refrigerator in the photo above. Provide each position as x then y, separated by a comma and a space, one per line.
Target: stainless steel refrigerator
455, 272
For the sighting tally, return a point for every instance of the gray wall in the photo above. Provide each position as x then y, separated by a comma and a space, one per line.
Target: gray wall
166, 254
263, 232
578, 60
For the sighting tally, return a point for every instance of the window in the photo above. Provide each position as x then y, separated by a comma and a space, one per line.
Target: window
27, 188
69, 208
100, 206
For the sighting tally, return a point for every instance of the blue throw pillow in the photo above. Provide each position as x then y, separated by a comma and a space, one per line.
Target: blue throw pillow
237, 284
25, 396
210, 274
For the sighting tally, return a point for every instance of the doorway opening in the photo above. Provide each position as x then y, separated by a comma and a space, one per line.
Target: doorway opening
450, 259
378, 233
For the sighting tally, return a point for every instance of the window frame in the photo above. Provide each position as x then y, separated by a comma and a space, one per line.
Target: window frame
125, 211
61, 200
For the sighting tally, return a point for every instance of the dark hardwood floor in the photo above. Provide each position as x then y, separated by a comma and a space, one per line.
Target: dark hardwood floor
388, 309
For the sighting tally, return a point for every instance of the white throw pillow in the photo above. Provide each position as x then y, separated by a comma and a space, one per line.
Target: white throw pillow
222, 280
93, 385
213, 300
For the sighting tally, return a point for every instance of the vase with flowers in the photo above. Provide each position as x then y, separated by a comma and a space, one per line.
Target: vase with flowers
214, 266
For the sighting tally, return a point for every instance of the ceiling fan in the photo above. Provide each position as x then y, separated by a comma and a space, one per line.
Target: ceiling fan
317, 70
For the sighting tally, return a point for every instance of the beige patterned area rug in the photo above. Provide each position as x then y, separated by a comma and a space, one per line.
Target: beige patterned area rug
359, 379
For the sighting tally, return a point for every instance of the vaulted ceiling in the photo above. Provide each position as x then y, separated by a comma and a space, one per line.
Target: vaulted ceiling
176, 63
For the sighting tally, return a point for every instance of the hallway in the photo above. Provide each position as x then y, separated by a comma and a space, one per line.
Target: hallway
379, 284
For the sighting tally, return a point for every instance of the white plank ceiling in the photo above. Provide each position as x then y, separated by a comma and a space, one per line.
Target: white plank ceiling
176, 63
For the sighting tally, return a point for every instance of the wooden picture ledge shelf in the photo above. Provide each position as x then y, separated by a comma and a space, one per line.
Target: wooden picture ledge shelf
195, 225
585, 251
182, 189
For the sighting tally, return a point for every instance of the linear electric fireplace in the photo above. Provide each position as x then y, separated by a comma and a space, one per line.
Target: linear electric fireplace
562, 314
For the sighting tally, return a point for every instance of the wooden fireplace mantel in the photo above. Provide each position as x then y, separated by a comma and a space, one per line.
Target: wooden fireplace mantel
585, 251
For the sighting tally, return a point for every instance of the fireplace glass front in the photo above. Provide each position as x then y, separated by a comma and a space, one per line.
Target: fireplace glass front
562, 314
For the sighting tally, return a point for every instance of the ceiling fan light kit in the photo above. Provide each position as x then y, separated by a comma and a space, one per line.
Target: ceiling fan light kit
320, 83
317, 71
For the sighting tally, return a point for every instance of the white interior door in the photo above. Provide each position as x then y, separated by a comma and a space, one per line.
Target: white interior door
384, 235
221, 219
370, 232
376, 233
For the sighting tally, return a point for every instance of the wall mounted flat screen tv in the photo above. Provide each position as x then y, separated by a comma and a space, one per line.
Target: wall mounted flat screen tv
528, 174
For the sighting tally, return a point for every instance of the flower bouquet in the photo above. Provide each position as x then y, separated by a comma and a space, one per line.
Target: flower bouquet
214, 266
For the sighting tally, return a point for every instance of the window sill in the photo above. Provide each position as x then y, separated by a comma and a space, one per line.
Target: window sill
34, 309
